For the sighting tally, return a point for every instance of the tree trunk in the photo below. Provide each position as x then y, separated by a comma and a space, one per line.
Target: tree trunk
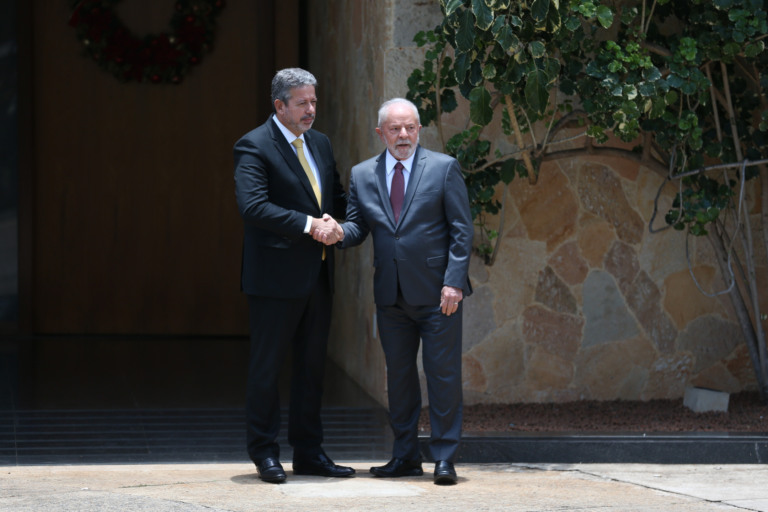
742, 313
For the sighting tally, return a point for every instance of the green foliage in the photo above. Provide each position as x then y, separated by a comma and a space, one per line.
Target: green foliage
699, 204
628, 76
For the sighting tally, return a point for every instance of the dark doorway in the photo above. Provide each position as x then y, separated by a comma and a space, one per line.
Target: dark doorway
129, 237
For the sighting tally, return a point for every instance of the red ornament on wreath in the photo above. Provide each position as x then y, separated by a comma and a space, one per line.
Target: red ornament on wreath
163, 58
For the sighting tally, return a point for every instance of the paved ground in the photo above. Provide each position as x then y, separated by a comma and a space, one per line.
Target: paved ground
509, 487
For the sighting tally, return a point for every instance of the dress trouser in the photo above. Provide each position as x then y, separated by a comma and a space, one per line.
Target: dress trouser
401, 327
277, 324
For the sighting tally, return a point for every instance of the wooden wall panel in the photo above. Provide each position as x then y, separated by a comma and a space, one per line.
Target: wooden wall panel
135, 226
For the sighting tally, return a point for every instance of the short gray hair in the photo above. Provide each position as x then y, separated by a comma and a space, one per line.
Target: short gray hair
287, 79
384, 109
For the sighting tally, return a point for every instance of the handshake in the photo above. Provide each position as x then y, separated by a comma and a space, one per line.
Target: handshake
326, 230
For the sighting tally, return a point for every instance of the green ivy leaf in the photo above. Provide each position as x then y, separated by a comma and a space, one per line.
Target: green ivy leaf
572, 23
568, 86
754, 49
537, 49
605, 16
675, 81
658, 108
505, 36
480, 111
731, 48
646, 90
651, 74
483, 14
723, 4
463, 61
448, 100
596, 132
450, 6
508, 170
688, 48
698, 230
539, 10
616, 66
489, 71
499, 5
552, 68
476, 73
628, 15
689, 88
536, 94
465, 35
671, 217
671, 97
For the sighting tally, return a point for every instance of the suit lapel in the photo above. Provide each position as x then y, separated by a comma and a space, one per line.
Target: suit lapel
324, 180
381, 181
417, 169
289, 155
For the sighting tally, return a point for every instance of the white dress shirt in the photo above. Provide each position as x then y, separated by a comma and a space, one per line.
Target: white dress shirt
290, 137
390, 163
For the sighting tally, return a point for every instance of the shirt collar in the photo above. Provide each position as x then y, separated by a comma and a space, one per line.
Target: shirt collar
391, 161
288, 134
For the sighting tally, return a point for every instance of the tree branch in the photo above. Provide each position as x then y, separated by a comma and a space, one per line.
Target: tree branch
532, 178
731, 114
650, 163
712, 92
656, 48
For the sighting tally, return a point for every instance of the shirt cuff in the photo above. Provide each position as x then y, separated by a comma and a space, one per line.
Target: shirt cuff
308, 225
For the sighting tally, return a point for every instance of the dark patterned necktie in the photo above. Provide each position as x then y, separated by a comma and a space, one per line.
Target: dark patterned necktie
397, 191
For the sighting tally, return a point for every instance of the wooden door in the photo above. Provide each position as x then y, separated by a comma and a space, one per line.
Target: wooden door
133, 227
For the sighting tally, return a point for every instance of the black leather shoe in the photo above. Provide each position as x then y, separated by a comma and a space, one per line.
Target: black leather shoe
319, 465
398, 467
270, 470
445, 474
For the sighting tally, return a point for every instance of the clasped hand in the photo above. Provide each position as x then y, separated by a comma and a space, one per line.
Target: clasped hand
326, 230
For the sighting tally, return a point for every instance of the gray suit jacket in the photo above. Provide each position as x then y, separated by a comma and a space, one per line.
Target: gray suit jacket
431, 244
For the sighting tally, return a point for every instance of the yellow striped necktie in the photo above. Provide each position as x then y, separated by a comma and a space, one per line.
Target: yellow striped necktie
298, 143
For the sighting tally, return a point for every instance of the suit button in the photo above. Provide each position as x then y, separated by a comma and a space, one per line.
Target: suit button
397, 238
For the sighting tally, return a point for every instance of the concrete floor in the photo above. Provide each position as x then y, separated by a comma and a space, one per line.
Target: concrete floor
509, 487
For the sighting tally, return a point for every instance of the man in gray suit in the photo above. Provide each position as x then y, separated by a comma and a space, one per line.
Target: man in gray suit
414, 203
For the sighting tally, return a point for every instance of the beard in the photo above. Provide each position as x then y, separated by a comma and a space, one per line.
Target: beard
402, 149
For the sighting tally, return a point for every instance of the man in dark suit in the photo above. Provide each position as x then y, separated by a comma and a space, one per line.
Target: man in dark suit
288, 189
414, 203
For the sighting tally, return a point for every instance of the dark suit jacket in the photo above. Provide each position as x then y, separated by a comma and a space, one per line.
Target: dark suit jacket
431, 245
274, 197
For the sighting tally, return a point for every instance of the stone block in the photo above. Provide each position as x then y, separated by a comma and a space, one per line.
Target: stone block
706, 400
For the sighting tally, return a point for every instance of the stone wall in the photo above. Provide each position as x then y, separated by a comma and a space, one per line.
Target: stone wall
582, 302
351, 52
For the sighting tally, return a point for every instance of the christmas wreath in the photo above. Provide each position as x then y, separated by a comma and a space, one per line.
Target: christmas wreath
163, 58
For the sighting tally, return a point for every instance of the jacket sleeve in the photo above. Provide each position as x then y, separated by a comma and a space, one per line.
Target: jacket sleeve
355, 227
338, 204
461, 230
252, 183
